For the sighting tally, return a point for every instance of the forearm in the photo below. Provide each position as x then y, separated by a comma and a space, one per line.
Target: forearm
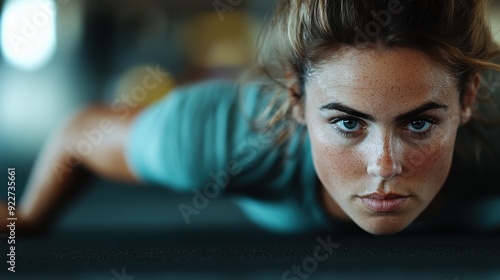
55, 175
70, 157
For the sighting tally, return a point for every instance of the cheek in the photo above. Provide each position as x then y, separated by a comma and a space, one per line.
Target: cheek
334, 163
431, 160
428, 171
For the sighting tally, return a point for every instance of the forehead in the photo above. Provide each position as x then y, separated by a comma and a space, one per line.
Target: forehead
382, 74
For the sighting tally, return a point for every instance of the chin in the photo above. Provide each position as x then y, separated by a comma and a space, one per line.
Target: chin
384, 225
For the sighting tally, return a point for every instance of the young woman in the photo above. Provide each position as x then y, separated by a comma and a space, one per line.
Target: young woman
378, 113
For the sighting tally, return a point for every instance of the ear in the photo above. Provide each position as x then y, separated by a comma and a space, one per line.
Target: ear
296, 97
469, 98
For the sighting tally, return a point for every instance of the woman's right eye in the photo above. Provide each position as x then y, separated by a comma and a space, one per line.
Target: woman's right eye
347, 127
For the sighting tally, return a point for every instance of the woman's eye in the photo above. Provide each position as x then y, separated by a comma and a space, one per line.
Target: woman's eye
348, 125
419, 126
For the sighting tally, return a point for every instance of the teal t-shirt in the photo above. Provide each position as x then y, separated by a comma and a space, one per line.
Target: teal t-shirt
200, 138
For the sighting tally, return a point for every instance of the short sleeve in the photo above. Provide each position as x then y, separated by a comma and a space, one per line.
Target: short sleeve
182, 140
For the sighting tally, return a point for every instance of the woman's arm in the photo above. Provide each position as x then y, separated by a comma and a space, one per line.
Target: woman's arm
92, 142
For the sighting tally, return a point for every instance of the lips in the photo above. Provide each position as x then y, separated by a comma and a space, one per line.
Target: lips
384, 202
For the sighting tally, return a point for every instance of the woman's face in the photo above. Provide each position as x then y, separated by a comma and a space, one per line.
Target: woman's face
382, 125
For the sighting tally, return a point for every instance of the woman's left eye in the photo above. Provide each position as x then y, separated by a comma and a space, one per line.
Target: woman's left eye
419, 126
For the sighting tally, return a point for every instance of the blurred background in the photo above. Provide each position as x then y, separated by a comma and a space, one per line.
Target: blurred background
59, 55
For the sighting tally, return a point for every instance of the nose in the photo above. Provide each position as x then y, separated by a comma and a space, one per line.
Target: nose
383, 161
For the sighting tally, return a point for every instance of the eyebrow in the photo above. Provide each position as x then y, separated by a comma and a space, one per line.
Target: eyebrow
431, 105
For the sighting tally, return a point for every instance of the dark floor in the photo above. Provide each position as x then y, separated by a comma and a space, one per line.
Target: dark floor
236, 254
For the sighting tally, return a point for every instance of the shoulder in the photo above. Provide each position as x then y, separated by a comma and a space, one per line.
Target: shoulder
193, 132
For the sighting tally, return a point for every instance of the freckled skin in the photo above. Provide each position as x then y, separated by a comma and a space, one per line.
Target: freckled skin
383, 156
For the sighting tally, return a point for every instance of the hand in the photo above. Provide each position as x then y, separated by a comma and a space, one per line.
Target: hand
4, 231
3, 219
23, 227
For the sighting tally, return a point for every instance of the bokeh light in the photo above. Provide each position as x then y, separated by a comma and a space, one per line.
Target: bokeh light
28, 32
